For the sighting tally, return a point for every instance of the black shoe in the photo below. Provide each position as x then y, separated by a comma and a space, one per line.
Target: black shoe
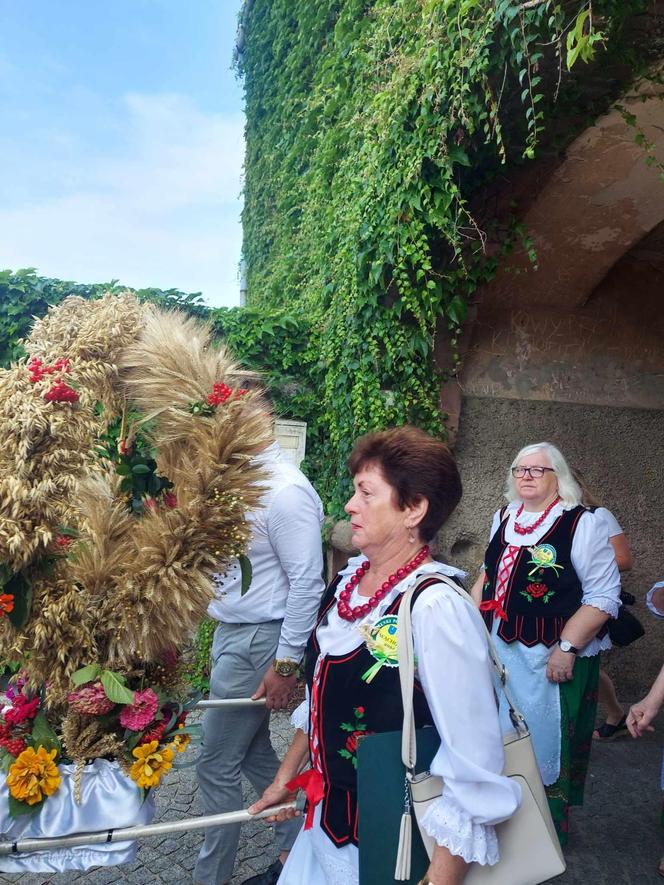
269, 877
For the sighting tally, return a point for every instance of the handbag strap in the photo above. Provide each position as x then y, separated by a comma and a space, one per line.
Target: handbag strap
406, 658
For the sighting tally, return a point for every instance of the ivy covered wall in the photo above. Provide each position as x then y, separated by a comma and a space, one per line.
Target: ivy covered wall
372, 127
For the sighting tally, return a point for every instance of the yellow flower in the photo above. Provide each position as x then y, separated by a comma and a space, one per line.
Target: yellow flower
34, 775
181, 741
151, 763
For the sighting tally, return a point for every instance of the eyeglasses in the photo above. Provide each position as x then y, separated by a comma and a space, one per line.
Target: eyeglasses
533, 472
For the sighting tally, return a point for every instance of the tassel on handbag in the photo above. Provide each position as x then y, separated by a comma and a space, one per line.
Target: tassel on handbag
402, 868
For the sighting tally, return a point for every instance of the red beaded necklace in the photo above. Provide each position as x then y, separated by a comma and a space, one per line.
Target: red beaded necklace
358, 611
528, 529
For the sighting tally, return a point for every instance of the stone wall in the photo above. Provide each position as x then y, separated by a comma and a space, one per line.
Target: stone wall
621, 453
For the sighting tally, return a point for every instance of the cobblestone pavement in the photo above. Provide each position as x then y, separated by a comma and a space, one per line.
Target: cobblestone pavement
615, 838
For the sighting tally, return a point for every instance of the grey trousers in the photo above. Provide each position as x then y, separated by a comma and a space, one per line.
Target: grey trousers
236, 742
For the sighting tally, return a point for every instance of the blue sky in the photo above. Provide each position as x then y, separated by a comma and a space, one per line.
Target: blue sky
121, 146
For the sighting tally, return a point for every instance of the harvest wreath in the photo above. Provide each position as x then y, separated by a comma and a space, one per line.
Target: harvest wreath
125, 476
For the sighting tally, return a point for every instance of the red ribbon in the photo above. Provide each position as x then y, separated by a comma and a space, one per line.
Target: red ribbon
311, 781
493, 605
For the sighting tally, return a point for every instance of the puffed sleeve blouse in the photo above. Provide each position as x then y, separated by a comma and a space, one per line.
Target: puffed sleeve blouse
453, 668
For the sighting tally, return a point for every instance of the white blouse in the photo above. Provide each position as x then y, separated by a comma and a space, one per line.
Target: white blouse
453, 667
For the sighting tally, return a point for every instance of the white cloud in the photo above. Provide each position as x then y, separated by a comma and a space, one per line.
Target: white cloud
159, 205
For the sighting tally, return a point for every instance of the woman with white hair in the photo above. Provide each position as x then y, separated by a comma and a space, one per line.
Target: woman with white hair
548, 586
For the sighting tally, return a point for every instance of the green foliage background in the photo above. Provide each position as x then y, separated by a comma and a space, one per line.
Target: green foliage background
372, 127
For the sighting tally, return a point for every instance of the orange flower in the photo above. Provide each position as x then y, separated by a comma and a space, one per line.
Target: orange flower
6, 603
181, 741
34, 775
152, 762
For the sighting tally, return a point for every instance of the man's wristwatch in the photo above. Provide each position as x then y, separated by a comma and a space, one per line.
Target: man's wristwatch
566, 645
285, 667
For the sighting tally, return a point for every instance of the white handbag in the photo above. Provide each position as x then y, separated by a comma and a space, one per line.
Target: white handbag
530, 852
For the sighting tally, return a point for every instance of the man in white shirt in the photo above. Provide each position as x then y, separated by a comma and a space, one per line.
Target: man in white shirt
256, 649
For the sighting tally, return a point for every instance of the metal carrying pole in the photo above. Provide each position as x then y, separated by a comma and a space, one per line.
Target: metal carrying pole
123, 834
228, 703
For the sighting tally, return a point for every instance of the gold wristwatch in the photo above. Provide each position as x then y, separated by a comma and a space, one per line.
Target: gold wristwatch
285, 667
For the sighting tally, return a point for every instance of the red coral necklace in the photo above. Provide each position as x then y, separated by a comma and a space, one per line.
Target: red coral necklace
528, 529
358, 611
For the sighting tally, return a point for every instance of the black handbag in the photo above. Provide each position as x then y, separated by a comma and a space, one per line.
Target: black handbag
625, 629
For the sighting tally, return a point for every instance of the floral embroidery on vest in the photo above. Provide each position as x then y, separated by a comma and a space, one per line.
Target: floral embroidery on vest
357, 730
538, 591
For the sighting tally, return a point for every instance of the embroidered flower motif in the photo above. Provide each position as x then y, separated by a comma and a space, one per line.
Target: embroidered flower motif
90, 700
152, 762
34, 775
141, 713
358, 730
538, 591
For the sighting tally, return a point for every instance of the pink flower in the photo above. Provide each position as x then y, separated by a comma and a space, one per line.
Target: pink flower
90, 700
140, 714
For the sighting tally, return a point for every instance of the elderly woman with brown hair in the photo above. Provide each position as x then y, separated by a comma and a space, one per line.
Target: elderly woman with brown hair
406, 486
548, 587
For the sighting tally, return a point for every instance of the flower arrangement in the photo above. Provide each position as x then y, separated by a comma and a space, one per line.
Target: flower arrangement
118, 504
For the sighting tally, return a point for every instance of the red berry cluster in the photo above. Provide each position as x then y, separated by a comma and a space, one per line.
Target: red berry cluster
64, 542
38, 369
14, 746
61, 392
222, 392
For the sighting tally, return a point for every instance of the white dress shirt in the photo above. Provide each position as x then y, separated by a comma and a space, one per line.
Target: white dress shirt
286, 558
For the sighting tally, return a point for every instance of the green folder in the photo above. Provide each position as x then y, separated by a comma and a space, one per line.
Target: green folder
380, 794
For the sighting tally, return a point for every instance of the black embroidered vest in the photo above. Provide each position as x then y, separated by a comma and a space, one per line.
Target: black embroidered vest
543, 591
349, 708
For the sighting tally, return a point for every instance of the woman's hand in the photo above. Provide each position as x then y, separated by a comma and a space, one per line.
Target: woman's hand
641, 715
276, 794
446, 868
560, 666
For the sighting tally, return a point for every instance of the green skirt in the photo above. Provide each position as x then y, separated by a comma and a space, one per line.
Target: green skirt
578, 709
